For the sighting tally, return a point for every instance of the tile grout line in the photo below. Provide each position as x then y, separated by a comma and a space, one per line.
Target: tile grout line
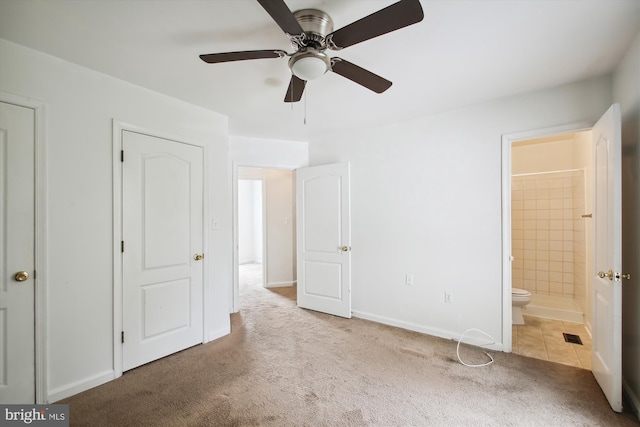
547, 341
564, 327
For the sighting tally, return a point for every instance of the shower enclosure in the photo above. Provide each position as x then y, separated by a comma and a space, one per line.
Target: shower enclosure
548, 242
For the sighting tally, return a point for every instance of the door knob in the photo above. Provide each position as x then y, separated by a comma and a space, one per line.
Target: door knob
21, 276
345, 248
608, 274
620, 276
198, 257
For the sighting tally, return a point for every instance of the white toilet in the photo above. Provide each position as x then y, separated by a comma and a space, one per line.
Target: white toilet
519, 298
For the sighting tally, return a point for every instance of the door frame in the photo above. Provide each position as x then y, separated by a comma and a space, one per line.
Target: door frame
507, 141
40, 236
118, 128
235, 289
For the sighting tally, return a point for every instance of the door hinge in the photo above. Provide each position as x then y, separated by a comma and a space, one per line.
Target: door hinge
122, 337
122, 155
122, 246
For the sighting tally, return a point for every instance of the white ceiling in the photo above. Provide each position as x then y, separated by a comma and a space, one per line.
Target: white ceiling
463, 52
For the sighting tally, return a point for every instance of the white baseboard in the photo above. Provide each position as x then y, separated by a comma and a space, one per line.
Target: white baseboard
480, 342
280, 284
632, 398
218, 333
104, 377
80, 386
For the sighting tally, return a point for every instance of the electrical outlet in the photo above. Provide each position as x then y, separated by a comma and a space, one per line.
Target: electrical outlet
448, 298
409, 280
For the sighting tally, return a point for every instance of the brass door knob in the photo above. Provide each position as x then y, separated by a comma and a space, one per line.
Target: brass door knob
620, 276
345, 248
608, 274
198, 257
21, 276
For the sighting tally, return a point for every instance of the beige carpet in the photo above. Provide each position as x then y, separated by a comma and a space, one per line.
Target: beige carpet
284, 366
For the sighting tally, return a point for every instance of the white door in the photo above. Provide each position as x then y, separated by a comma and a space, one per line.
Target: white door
324, 239
163, 235
17, 334
607, 292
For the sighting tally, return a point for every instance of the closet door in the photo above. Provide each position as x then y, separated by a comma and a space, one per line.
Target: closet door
162, 247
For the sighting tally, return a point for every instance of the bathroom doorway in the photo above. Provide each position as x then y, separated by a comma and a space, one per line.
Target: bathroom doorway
604, 276
550, 241
550, 182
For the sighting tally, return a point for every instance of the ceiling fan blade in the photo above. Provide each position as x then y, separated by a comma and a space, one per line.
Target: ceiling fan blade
359, 75
281, 13
214, 58
391, 18
295, 90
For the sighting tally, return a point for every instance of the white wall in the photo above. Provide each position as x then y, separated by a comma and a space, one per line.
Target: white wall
80, 107
268, 153
626, 91
426, 200
257, 221
542, 157
249, 221
280, 220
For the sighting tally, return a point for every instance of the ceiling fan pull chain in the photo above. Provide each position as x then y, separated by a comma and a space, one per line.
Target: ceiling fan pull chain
305, 107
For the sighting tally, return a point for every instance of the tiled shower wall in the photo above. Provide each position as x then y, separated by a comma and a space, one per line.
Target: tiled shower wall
579, 241
548, 233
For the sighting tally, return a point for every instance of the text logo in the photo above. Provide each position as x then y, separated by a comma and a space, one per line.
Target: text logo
35, 415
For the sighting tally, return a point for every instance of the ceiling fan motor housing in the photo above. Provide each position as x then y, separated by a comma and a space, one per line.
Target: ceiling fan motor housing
316, 24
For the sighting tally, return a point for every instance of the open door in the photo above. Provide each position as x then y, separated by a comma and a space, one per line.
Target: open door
324, 239
607, 293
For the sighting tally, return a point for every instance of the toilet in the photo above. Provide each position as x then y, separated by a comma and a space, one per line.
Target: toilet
519, 298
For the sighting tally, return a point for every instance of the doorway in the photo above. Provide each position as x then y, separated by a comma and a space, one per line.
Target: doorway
158, 275
552, 245
606, 273
510, 260
264, 228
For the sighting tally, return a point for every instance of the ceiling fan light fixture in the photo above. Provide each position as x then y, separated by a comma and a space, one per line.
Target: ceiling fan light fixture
309, 65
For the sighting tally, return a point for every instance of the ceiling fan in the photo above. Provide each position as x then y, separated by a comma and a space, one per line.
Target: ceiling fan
311, 34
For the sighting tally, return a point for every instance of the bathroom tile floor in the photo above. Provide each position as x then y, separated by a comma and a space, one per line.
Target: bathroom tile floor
542, 339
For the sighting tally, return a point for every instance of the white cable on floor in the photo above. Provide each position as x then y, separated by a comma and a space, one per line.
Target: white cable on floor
458, 348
